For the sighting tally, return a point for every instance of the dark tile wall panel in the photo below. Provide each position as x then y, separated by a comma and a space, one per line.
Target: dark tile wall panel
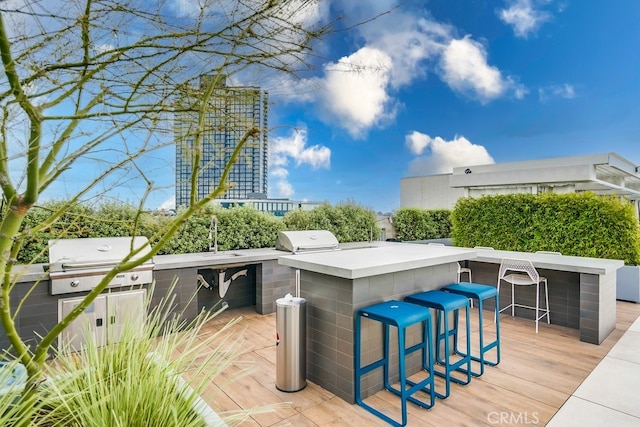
564, 294
332, 303
241, 291
265, 282
607, 314
184, 291
273, 281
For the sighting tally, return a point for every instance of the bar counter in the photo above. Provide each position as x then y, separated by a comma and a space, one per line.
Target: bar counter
336, 284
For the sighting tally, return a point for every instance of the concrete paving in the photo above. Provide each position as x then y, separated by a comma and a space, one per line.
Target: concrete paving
610, 394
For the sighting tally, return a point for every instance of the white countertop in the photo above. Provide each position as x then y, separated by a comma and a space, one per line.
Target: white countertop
360, 259
554, 262
212, 259
373, 261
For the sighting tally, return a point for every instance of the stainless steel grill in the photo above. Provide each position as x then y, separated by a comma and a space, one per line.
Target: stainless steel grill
77, 265
306, 241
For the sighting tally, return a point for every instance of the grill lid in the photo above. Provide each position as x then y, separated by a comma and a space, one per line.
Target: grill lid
306, 241
94, 252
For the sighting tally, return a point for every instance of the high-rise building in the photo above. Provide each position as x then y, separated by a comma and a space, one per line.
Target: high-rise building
230, 114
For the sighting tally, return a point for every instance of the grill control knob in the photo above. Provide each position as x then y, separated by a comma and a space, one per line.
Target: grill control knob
134, 276
75, 283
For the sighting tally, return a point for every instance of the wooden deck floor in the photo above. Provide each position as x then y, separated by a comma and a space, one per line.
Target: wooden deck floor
536, 376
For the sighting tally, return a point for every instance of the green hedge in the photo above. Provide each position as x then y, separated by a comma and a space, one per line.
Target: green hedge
238, 227
581, 224
77, 221
348, 221
421, 224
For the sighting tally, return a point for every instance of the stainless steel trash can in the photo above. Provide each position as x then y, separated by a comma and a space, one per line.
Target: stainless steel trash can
291, 336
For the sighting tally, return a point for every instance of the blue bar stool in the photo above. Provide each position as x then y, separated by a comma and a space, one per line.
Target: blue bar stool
445, 303
479, 292
401, 315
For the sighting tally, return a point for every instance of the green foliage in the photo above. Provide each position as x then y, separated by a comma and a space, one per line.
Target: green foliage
442, 220
238, 227
581, 224
192, 236
117, 219
244, 228
421, 224
12, 409
136, 381
298, 220
77, 221
348, 221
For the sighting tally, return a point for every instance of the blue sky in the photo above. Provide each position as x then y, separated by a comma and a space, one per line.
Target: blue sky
429, 86
446, 84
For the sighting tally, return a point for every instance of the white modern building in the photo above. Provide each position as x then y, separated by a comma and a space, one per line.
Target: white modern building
606, 173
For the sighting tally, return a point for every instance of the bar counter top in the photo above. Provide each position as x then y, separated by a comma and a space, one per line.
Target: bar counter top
575, 264
381, 258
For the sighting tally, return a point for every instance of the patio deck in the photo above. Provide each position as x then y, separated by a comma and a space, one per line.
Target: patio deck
536, 376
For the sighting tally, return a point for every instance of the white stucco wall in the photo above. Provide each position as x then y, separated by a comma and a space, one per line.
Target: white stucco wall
429, 192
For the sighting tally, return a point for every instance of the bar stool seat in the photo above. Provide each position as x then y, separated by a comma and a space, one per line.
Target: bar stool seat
401, 315
445, 303
521, 272
479, 292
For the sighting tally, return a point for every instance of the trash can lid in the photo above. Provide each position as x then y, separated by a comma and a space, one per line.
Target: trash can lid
290, 300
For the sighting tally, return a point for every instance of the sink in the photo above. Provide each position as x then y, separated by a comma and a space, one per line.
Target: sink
219, 254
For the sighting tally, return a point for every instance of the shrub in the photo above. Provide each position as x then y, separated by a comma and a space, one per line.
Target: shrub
244, 228
238, 227
348, 221
580, 224
136, 382
421, 224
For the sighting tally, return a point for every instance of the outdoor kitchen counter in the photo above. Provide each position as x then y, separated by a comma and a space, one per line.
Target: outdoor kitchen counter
574, 264
234, 257
376, 260
213, 259
582, 290
335, 284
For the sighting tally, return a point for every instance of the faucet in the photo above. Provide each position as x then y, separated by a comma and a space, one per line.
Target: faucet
213, 235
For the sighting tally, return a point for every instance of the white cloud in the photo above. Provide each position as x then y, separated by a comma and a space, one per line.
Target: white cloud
284, 189
524, 17
170, 203
417, 142
565, 91
355, 90
359, 90
465, 69
409, 41
294, 147
442, 156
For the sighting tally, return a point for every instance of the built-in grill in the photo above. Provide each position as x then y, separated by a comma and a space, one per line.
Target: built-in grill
305, 241
77, 265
